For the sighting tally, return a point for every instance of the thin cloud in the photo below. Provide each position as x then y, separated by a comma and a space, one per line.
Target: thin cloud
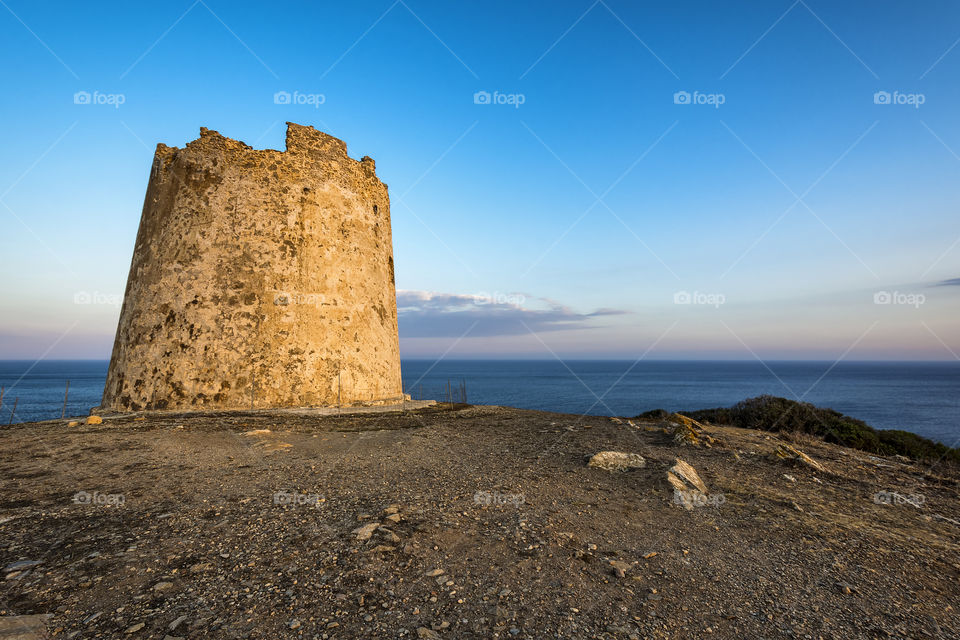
425, 314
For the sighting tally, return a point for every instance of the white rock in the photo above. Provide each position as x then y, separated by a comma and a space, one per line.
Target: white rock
617, 461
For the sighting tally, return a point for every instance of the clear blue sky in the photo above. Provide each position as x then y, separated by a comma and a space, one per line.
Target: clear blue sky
577, 216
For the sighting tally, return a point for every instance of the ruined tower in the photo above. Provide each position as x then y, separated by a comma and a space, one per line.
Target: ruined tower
259, 279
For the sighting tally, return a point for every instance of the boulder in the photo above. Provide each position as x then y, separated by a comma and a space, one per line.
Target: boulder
686, 483
686, 430
617, 461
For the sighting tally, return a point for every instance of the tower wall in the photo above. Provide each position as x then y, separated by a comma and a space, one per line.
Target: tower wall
261, 279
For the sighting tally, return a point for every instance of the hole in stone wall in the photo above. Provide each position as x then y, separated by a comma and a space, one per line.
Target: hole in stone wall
375, 208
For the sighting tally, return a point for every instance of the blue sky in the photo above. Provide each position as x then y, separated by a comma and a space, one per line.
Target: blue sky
680, 179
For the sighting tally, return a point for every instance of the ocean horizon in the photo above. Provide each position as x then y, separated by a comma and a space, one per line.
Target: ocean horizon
920, 397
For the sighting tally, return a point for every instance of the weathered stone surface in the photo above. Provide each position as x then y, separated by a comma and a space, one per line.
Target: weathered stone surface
687, 477
687, 430
24, 627
366, 531
688, 488
259, 278
617, 461
787, 452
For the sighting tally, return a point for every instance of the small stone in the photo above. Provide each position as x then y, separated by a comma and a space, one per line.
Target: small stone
73, 423
389, 535
427, 634
433, 573
20, 565
396, 517
162, 586
846, 588
620, 567
176, 623
294, 624
139, 625
98, 420
617, 461
364, 532
786, 452
392, 509
649, 555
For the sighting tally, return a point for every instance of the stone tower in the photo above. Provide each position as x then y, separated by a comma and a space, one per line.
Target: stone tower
259, 279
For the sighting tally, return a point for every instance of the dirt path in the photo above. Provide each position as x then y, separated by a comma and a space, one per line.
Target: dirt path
483, 522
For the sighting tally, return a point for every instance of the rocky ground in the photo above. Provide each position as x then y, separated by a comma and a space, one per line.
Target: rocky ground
467, 522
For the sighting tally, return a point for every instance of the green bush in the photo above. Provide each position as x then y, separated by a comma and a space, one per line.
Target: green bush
770, 413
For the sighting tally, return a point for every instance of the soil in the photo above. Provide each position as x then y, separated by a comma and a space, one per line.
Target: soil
483, 522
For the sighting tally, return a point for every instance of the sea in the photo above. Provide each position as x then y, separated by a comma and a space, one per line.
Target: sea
921, 397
